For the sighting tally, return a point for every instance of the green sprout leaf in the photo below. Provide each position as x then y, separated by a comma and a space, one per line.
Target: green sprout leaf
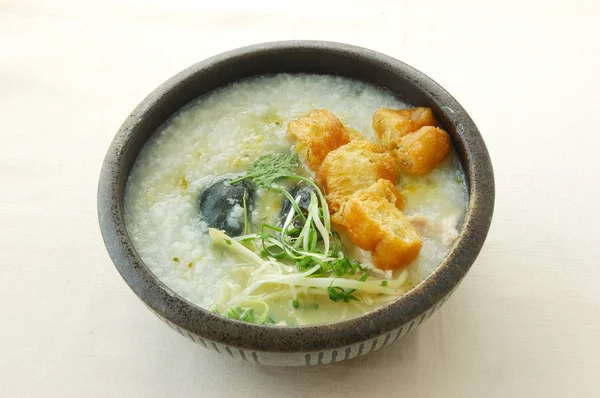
269, 168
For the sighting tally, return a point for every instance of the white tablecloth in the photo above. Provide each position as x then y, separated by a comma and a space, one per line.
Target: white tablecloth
525, 322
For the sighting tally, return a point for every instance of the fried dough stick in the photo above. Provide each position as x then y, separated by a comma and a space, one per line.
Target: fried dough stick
412, 136
318, 133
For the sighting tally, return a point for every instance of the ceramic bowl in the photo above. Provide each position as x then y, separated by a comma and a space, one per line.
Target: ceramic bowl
312, 344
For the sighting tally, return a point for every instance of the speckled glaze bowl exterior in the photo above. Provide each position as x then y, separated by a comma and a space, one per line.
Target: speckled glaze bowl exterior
312, 344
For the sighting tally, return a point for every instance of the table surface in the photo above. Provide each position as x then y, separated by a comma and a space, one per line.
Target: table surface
526, 320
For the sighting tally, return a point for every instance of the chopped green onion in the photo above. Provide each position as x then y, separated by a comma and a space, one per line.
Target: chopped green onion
337, 293
247, 315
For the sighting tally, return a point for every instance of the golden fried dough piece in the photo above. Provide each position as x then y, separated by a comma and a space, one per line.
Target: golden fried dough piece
390, 125
423, 150
387, 190
375, 224
318, 133
354, 166
411, 135
353, 134
384, 188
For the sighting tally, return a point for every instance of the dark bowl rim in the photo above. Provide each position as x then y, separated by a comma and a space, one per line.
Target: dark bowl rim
412, 305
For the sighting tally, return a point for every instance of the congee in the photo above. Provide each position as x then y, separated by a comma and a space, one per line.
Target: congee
295, 199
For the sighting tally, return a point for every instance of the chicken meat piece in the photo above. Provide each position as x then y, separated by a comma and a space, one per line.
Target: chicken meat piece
318, 133
354, 166
446, 231
374, 223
